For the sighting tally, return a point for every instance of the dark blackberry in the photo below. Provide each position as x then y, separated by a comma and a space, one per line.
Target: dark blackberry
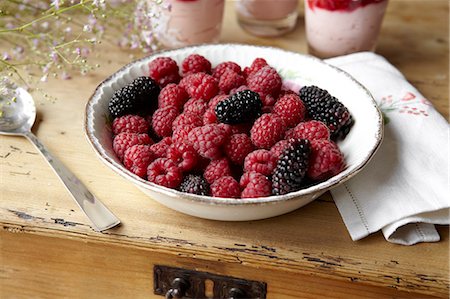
289, 175
140, 96
243, 106
123, 102
195, 184
322, 106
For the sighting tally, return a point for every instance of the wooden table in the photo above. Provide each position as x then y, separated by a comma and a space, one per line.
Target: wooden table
49, 249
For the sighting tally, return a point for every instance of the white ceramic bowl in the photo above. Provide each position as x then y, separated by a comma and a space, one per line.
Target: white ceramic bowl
358, 147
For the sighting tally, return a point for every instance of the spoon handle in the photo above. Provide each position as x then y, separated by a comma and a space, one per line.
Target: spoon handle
101, 217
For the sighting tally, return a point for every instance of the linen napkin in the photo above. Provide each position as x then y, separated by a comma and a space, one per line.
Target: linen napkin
404, 190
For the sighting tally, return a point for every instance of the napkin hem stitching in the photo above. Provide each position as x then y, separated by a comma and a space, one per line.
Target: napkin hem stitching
419, 231
358, 208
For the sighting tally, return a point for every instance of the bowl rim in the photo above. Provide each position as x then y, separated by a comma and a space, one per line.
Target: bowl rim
209, 200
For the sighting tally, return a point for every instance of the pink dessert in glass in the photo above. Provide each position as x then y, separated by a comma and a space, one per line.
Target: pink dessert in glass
187, 22
339, 27
267, 17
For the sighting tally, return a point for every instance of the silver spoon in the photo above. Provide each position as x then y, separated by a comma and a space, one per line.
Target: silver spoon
17, 118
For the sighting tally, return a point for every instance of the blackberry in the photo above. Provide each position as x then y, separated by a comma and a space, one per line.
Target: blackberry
243, 106
324, 107
195, 184
123, 102
290, 172
141, 96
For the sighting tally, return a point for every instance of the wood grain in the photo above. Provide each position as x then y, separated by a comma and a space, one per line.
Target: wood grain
310, 244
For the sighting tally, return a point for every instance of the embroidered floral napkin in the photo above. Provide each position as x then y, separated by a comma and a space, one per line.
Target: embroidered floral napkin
404, 190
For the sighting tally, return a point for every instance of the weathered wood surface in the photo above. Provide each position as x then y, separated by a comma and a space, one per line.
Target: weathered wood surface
311, 243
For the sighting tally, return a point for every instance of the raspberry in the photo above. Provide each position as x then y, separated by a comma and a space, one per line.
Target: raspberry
129, 124
195, 184
200, 86
268, 100
229, 80
217, 169
164, 70
257, 64
195, 63
291, 168
164, 172
195, 106
180, 135
240, 88
239, 108
241, 129
267, 109
226, 187
125, 140
291, 109
160, 148
222, 67
137, 158
261, 161
186, 119
326, 160
238, 147
207, 140
327, 109
162, 120
255, 185
216, 100
184, 156
209, 117
279, 147
172, 95
310, 130
265, 81
267, 130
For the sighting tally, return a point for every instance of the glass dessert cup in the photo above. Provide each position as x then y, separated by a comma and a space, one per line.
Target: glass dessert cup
188, 22
267, 17
336, 28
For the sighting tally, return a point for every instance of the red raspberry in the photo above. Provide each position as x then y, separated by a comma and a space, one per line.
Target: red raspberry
164, 70
222, 67
207, 140
216, 100
125, 140
325, 160
261, 161
226, 187
310, 130
180, 135
162, 120
187, 118
267, 130
240, 88
172, 95
164, 172
267, 109
238, 147
257, 64
291, 109
195, 63
265, 81
268, 100
241, 128
184, 156
279, 147
137, 158
160, 148
209, 117
255, 185
229, 80
200, 86
217, 169
129, 124
196, 106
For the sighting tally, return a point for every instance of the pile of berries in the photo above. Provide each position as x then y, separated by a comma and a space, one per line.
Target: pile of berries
225, 131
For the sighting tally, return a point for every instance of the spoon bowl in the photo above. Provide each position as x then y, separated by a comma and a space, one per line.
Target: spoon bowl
18, 114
